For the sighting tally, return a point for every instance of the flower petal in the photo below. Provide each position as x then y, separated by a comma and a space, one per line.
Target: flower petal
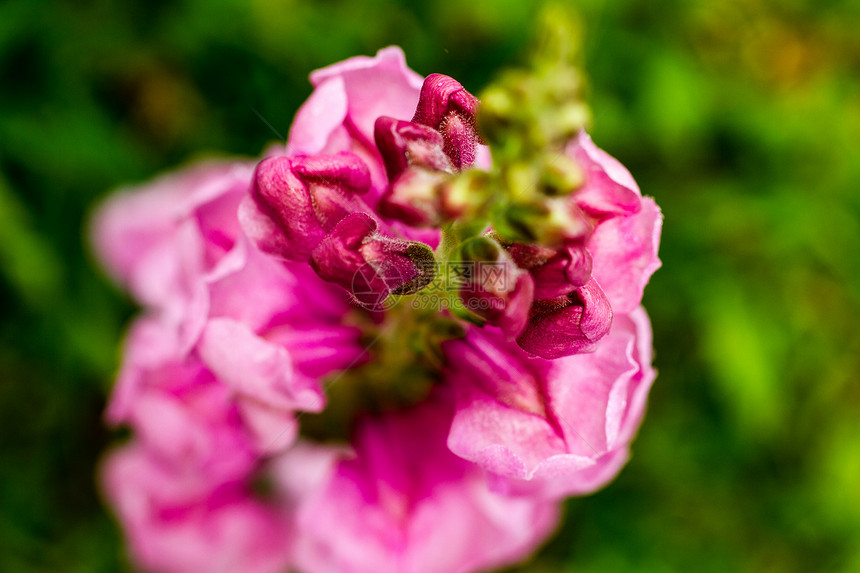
381, 509
550, 428
624, 255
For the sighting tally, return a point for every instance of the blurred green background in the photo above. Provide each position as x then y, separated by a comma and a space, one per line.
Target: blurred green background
741, 117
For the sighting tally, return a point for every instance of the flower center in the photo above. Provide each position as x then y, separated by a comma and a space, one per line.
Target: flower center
404, 362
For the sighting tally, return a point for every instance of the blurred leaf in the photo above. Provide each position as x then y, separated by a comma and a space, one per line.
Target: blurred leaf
27, 260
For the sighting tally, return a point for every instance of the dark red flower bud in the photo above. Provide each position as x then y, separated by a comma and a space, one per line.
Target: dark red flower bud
446, 106
303, 198
570, 324
371, 265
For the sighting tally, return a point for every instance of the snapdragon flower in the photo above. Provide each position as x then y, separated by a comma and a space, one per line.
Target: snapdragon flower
396, 345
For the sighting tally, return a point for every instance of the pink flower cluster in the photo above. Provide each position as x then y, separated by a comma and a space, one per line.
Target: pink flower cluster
247, 275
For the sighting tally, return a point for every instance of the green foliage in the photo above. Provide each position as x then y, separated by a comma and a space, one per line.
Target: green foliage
740, 117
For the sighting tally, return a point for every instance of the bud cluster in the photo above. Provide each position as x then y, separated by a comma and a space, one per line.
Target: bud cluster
530, 215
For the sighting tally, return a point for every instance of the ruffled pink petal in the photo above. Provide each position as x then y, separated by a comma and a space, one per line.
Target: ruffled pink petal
178, 410
559, 424
565, 477
382, 510
134, 221
319, 349
200, 430
319, 117
348, 98
609, 188
175, 530
148, 344
382, 85
161, 240
255, 368
624, 255
272, 429
249, 275
630, 403
294, 313
502, 422
292, 308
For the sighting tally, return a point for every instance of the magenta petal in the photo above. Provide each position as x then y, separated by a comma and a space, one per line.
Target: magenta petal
550, 428
174, 529
517, 305
461, 139
416, 163
255, 368
343, 172
381, 509
285, 202
569, 325
624, 251
509, 310
441, 95
577, 265
339, 256
609, 188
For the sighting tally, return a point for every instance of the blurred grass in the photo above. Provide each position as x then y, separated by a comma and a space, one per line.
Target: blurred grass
742, 118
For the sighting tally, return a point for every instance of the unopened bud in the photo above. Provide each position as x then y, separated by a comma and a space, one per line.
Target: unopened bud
446, 106
497, 290
371, 265
298, 200
571, 324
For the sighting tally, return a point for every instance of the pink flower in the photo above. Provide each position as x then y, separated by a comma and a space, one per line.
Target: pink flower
263, 291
